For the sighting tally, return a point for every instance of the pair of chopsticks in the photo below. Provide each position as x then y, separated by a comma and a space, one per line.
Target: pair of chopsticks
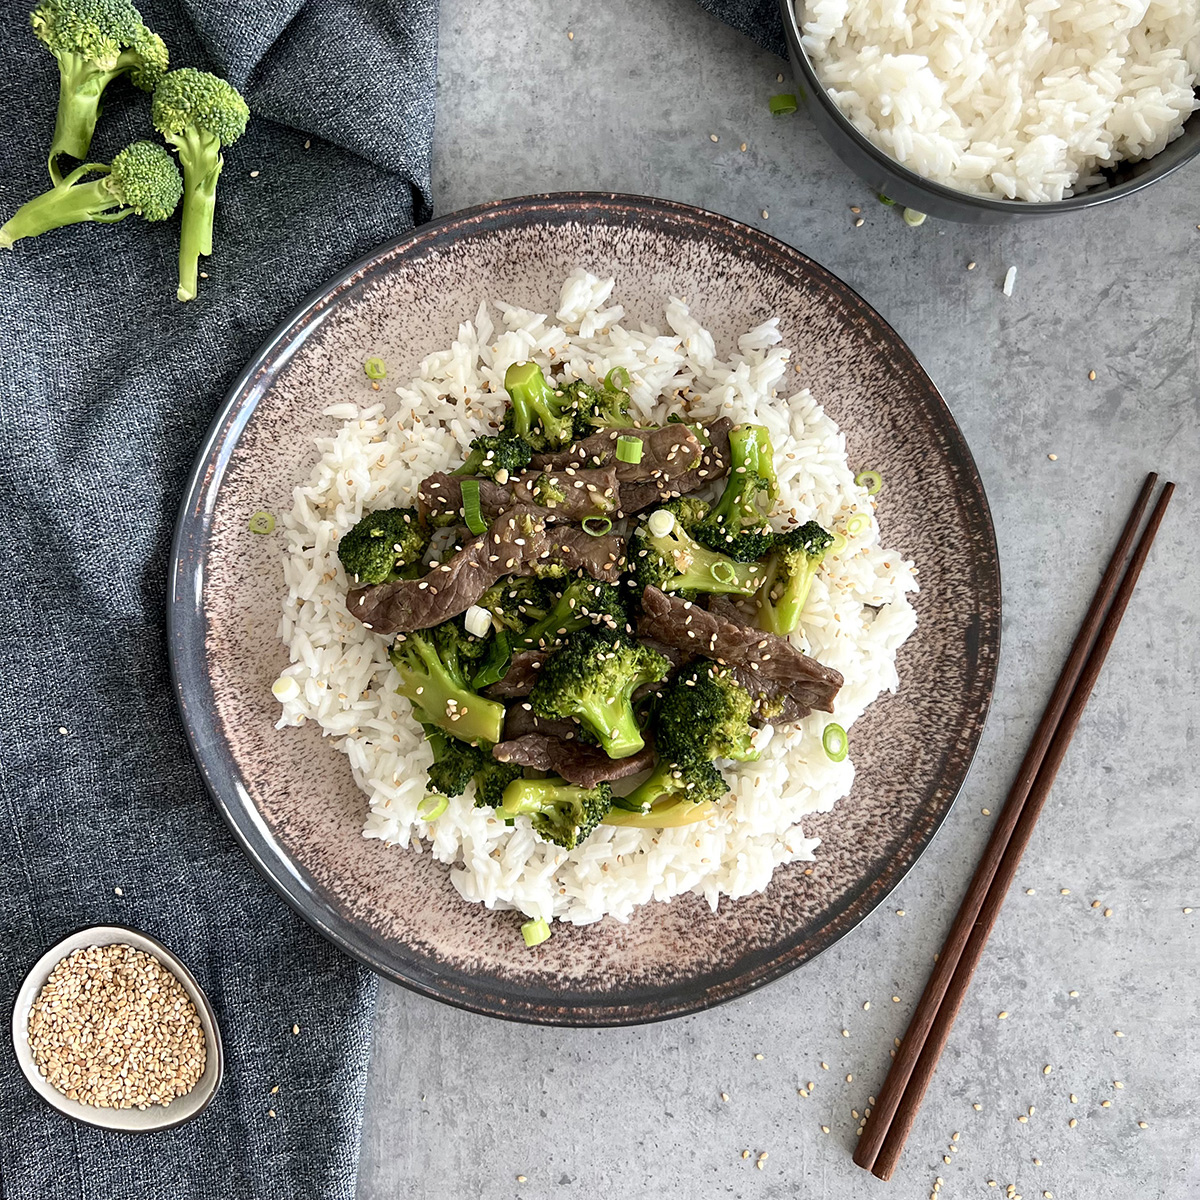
916, 1060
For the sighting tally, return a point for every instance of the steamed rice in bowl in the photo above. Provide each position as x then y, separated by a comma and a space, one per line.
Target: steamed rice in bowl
856, 618
1016, 99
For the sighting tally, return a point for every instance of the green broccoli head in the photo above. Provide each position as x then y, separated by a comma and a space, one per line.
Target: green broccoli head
560, 812
584, 602
789, 574
143, 179
737, 524
592, 679
492, 779
604, 406
383, 546
504, 454
433, 668
198, 114
676, 562
455, 762
704, 713
541, 414
672, 788
518, 601
689, 511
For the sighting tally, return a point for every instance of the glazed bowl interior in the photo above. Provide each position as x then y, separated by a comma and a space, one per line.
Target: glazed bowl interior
125, 1120
884, 175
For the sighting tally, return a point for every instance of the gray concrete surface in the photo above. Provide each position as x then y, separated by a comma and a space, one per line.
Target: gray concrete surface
460, 1106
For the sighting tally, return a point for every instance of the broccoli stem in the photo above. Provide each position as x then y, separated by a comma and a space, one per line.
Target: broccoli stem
672, 814
68, 203
526, 797
200, 158
470, 717
782, 616
613, 723
660, 783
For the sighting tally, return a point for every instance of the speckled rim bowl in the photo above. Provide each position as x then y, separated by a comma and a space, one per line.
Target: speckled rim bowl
289, 795
884, 175
124, 1120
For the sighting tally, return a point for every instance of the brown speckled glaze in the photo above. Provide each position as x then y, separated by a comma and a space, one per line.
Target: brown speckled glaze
289, 795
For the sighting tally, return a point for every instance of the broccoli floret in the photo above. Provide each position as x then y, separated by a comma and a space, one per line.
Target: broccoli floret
593, 678
676, 562
94, 41
433, 666
143, 179
383, 546
737, 524
518, 601
198, 114
540, 415
492, 454
704, 712
492, 779
689, 511
605, 406
584, 602
788, 577
675, 784
560, 812
455, 762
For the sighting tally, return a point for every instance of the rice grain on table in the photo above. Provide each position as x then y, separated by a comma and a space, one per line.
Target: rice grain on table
1020, 99
857, 615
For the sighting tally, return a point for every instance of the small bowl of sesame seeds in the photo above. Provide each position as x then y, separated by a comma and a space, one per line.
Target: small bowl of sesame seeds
111, 1029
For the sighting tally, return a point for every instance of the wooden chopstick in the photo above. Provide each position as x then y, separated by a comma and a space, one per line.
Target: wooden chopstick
891, 1096
906, 1113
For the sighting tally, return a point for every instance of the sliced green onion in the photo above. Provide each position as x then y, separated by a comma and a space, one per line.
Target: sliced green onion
629, 449
261, 522
885, 200
871, 480
472, 515
835, 741
782, 104
596, 526
723, 572
617, 379
913, 218
838, 544
439, 805
858, 523
495, 664
535, 932
375, 368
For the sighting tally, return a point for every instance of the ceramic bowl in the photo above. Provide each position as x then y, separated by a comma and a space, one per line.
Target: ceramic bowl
884, 175
127, 1120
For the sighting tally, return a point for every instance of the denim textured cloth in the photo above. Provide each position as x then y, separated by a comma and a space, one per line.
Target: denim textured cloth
107, 385
758, 19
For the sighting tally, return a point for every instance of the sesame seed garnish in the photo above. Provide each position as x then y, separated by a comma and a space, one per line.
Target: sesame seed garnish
1052, 457
1064, 891
1072, 993
845, 1033
977, 1107
712, 137
1143, 1125
295, 1029
987, 812
758, 1058
570, 36
899, 912
946, 1158
849, 1078
118, 892
824, 1066
859, 223
1117, 1033
1047, 1069
1029, 891
1023, 1119
254, 174
824, 1128
1072, 1123
745, 1153
971, 267
1108, 912
765, 214
1002, 1016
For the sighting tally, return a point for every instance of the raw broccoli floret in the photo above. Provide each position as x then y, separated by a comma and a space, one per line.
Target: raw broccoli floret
541, 415
560, 812
94, 41
593, 678
503, 454
434, 665
676, 562
788, 577
143, 179
584, 602
198, 114
737, 524
383, 546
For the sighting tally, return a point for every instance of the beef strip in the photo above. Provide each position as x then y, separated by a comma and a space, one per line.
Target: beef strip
713, 464
587, 493
575, 761
520, 720
519, 543
667, 452
520, 677
766, 657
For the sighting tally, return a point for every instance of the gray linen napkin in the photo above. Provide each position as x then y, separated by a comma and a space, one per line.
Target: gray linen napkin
107, 385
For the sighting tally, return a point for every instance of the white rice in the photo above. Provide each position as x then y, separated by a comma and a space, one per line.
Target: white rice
856, 618
1024, 99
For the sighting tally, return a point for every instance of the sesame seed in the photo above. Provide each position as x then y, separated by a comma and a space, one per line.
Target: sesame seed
845, 1033
712, 137
725, 1097
971, 267
1096, 903
1108, 912
117, 892
63, 730
866, 1005
987, 812
745, 1153
1002, 1016
295, 1029
254, 174
895, 999
946, 1158
1118, 1084
742, 147
1072, 1123
1032, 1110
899, 912
1072, 993
570, 36
270, 1112
758, 1058
275, 1090
1106, 1104
954, 1137
977, 1107
1047, 1069
1187, 910
1064, 891
1052, 457
1091, 374
1143, 1125
1023, 1119
824, 1066
766, 214
824, 1128
811, 1085
1029, 891
1117, 1033
849, 1078
859, 223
